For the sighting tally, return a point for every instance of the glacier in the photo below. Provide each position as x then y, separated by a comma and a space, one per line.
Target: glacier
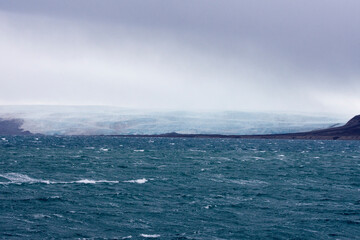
106, 120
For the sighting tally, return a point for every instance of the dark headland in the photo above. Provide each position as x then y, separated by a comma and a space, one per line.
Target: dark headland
350, 131
12, 127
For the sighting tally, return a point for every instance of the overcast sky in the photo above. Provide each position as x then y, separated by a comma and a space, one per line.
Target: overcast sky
273, 55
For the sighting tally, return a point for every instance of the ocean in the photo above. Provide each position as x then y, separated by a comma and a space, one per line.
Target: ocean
178, 188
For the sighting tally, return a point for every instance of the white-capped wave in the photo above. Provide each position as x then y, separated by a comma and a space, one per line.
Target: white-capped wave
90, 181
86, 181
139, 181
21, 178
149, 235
18, 178
139, 150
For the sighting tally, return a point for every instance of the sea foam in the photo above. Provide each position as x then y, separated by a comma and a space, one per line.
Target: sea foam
150, 235
18, 178
90, 181
139, 181
21, 178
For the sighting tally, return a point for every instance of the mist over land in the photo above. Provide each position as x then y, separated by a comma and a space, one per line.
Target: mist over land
102, 120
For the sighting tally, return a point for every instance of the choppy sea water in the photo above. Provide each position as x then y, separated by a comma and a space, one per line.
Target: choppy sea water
162, 188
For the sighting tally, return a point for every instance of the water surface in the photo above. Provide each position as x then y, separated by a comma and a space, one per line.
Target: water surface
163, 188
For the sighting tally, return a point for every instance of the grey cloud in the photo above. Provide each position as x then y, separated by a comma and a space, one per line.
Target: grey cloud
260, 55
320, 34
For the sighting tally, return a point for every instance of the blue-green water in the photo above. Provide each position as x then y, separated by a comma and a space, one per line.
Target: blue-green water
122, 188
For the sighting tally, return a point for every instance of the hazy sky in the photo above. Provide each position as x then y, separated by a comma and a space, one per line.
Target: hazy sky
273, 55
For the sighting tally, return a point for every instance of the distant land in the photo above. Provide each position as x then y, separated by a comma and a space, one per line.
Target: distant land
12, 127
107, 120
349, 131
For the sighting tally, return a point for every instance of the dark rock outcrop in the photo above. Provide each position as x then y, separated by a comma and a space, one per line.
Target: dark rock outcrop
350, 131
354, 122
12, 127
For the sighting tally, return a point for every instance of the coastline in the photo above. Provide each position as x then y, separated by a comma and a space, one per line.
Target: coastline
349, 131
271, 136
